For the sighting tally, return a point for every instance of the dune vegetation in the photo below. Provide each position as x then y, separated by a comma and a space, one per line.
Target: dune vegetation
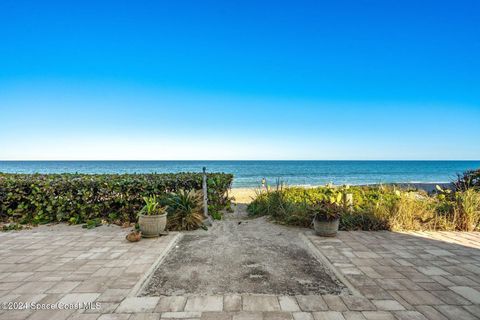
377, 207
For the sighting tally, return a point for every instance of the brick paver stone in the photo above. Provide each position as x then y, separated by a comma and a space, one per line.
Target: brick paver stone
378, 315
137, 305
409, 315
277, 315
328, 315
302, 316
260, 303
356, 303
456, 313
468, 293
288, 303
204, 303
232, 303
311, 303
171, 304
388, 305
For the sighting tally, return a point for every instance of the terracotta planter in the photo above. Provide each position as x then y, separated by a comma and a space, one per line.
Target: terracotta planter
326, 228
152, 226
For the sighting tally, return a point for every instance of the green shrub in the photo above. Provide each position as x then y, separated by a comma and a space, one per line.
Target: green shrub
76, 198
375, 208
468, 180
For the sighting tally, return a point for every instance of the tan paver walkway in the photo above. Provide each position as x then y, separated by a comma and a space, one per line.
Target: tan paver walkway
399, 275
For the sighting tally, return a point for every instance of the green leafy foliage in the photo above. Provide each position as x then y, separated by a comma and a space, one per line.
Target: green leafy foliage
372, 208
325, 210
12, 226
152, 206
93, 223
76, 198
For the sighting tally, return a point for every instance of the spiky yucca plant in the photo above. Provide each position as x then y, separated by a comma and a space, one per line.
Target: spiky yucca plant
185, 210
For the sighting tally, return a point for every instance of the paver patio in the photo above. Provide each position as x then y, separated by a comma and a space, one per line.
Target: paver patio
422, 275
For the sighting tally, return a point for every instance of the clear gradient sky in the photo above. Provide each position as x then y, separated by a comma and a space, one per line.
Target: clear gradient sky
239, 79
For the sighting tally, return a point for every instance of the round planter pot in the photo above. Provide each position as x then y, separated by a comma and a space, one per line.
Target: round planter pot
152, 226
326, 228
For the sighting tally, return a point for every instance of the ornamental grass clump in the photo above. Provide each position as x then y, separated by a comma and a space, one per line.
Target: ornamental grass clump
412, 211
467, 210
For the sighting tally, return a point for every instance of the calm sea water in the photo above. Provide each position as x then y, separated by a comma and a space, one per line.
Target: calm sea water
250, 173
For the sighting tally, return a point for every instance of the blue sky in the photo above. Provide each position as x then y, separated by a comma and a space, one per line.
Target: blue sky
239, 80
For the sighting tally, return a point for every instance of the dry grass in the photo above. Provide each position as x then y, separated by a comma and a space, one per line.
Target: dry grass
377, 208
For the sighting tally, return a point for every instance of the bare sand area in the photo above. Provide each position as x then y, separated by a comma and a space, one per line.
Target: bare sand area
246, 256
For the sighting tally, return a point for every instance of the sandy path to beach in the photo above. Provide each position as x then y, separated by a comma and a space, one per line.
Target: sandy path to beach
243, 195
245, 256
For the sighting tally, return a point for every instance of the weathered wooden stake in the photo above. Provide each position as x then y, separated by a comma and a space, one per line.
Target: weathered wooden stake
205, 197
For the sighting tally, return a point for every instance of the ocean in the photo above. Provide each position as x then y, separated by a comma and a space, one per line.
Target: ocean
250, 173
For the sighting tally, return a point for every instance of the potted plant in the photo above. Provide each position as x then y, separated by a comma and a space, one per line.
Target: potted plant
152, 219
326, 217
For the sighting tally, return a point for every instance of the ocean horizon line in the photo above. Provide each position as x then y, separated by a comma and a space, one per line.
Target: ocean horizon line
237, 160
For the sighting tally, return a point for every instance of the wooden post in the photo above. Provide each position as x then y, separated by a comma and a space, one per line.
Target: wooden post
349, 201
205, 197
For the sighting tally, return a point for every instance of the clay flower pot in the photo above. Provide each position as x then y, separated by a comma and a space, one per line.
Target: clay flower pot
152, 225
134, 236
326, 228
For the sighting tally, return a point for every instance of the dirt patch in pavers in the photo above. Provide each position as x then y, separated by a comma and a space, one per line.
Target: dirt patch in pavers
242, 256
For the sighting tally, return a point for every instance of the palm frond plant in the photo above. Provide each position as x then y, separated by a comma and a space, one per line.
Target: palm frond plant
185, 210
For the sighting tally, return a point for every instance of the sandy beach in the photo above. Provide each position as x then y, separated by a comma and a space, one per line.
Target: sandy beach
243, 195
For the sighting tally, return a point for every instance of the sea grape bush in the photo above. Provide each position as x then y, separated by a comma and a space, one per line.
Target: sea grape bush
76, 198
